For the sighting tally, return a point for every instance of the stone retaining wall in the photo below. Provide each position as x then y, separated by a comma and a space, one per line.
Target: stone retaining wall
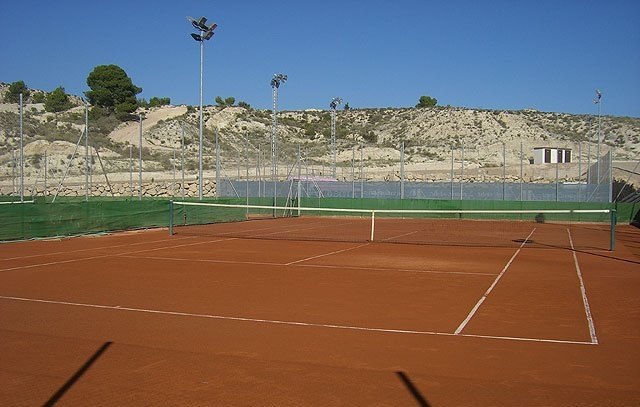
119, 189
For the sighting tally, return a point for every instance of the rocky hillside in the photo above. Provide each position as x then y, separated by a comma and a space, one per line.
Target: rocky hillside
428, 134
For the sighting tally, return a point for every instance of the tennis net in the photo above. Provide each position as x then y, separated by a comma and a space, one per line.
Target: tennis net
551, 228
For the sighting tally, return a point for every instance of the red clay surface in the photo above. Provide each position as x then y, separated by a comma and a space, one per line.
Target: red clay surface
144, 318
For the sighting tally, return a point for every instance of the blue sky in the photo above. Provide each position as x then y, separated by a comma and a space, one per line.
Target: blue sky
545, 55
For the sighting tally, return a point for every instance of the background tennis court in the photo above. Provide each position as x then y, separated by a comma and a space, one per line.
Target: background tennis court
221, 314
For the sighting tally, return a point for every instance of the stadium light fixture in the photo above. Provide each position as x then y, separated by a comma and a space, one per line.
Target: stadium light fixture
276, 81
333, 105
205, 32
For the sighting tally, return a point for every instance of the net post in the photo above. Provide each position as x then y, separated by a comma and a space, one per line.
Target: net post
614, 218
170, 217
373, 224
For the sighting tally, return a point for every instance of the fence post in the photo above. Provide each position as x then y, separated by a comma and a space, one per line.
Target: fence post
171, 218
521, 172
246, 162
182, 161
579, 170
361, 173
557, 170
402, 169
462, 173
13, 170
353, 172
613, 218
504, 170
451, 174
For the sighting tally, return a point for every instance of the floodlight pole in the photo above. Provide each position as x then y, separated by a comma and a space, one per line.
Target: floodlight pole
206, 32
275, 84
201, 124
274, 124
333, 105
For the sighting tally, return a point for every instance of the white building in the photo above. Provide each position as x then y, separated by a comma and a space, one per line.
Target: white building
551, 155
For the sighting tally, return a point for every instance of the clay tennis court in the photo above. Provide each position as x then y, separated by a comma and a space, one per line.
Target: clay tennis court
222, 315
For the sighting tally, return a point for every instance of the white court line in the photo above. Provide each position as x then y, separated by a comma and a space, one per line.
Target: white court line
585, 301
262, 263
402, 235
257, 263
319, 225
326, 254
290, 323
93, 248
396, 270
484, 296
109, 255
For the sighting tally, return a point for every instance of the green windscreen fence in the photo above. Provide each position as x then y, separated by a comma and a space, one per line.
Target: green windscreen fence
74, 216
40, 220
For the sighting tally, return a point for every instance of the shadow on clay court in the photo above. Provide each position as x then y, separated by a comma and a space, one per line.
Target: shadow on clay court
422, 402
77, 375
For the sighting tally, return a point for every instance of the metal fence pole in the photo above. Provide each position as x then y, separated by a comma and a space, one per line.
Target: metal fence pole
217, 164
258, 173
21, 153
588, 164
238, 161
504, 171
299, 186
521, 171
579, 170
13, 170
131, 170
140, 159
259, 169
451, 174
462, 173
182, 161
610, 175
557, 170
86, 152
246, 158
353, 175
402, 169
45, 172
361, 173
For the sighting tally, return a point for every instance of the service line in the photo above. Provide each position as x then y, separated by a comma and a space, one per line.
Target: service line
297, 264
289, 323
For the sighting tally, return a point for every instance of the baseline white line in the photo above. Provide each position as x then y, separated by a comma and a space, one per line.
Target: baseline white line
484, 296
290, 323
94, 248
585, 301
29, 266
262, 263
326, 254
